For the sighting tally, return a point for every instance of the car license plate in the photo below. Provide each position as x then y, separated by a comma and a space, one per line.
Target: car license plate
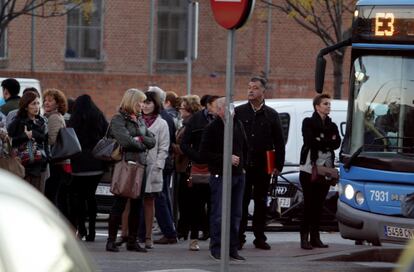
284, 202
103, 190
405, 233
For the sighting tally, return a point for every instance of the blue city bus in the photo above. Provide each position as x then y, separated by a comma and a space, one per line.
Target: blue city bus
377, 153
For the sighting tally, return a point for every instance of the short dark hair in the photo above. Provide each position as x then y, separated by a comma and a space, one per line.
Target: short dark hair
12, 85
203, 100
318, 99
260, 79
31, 89
155, 98
211, 99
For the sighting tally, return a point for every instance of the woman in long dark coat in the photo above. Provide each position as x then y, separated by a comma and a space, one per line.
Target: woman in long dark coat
320, 139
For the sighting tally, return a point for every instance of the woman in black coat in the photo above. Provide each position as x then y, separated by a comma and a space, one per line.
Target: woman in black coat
90, 126
30, 128
320, 139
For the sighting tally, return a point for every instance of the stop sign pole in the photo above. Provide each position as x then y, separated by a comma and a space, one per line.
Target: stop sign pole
230, 14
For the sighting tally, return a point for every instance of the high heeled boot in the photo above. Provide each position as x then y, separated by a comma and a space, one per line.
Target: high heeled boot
304, 240
315, 240
113, 225
91, 226
132, 243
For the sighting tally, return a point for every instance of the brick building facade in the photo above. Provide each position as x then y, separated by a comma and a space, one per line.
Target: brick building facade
123, 60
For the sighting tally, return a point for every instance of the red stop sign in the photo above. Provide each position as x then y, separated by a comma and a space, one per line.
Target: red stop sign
231, 14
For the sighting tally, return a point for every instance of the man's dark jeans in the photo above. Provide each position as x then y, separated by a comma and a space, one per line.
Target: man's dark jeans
257, 186
237, 189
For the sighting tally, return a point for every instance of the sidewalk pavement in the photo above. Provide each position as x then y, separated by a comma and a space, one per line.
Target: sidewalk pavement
285, 255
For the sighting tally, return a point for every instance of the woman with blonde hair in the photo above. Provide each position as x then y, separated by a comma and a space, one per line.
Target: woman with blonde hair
135, 139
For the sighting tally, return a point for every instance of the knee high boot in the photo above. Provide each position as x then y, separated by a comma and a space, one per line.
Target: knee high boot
132, 243
304, 240
113, 225
91, 226
315, 239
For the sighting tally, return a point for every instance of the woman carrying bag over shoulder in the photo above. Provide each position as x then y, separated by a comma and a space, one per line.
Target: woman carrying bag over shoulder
135, 139
320, 139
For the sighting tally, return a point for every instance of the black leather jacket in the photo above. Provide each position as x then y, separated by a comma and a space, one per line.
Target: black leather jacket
319, 136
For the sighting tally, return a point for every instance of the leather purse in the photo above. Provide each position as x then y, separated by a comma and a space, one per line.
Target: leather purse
107, 149
199, 174
66, 146
127, 179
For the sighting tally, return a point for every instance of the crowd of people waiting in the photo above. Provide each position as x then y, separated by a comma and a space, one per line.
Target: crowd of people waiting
179, 140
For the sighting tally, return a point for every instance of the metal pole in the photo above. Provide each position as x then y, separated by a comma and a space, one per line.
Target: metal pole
227, 152
151, 38
32, 60
189, 44
268, 35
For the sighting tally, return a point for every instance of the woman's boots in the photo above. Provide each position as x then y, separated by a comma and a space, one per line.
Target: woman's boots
304, 240
315, 240
113, 225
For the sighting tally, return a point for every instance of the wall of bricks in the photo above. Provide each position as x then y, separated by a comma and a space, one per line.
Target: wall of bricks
125, 56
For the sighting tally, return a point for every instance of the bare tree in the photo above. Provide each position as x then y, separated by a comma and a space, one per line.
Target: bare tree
325, 19
11, 9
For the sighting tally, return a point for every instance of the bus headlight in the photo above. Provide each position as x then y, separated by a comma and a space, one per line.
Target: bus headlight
359, 198
349, 191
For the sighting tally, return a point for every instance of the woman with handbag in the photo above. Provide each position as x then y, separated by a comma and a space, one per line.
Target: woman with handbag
155, 159
135, 140
320, 139
28, 132
90, 126
56, 189
189, 201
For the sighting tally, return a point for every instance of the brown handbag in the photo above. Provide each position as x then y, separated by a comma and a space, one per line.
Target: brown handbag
127, 179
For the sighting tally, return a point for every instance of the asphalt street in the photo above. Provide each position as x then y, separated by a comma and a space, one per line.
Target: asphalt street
285, 255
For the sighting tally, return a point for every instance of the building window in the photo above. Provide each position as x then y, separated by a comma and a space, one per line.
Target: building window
172, 30
84, 33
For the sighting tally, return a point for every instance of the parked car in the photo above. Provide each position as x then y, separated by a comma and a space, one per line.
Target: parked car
33, 234
288, 198
104, 197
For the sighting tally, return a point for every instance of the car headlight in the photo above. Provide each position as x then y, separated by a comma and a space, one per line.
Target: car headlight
359, 198
349, 191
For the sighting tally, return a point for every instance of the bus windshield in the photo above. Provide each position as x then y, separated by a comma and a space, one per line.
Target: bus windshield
383, 106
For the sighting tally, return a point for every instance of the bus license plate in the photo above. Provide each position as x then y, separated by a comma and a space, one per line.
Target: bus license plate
103, 190
391, 231
284, 202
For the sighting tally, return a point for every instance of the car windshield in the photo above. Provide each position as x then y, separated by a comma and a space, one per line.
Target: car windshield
383, 109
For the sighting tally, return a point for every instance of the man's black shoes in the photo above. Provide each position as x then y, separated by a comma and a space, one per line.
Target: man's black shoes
237, 258
215, 256
261, 245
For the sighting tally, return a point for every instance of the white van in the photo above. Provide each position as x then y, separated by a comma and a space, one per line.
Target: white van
24, 83
292, 111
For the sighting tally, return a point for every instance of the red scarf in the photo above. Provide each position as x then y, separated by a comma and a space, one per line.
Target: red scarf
149, 119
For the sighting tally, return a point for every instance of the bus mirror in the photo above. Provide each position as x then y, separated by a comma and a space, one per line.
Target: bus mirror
320, 73
343, 128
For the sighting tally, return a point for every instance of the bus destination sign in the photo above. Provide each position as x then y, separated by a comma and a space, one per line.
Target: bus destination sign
376, 23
